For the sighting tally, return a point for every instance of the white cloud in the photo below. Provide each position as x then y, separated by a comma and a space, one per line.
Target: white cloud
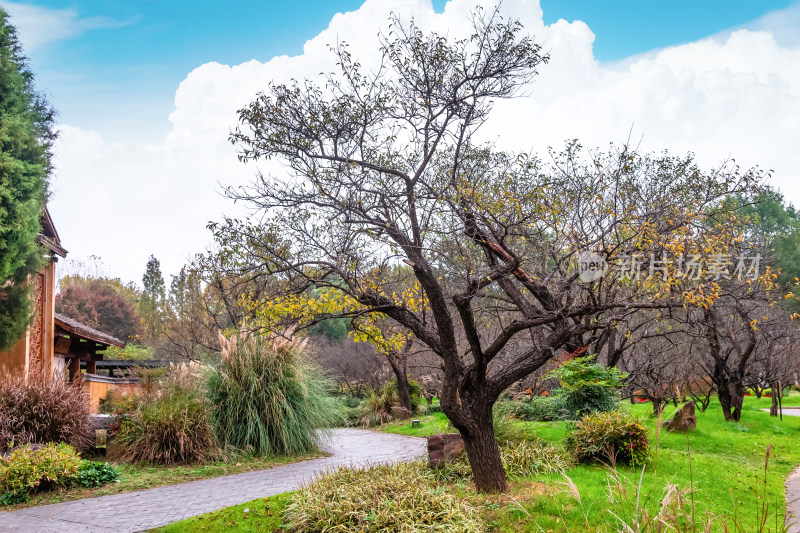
733, 95
38, 26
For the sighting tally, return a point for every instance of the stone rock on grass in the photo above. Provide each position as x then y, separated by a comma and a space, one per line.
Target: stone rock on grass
444, 448
400, 413
685, 419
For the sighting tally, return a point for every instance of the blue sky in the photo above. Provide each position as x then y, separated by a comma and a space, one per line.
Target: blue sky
127, 62
147, 92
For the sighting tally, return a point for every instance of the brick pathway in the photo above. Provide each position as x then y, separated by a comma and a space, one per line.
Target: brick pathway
142, 510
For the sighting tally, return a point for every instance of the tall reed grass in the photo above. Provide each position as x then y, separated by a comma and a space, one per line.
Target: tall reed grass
268, 396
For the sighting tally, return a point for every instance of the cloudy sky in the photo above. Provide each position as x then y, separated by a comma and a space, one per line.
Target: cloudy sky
147, 93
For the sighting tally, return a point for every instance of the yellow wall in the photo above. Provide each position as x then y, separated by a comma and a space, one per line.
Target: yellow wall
16, 361
13, 361
98, 390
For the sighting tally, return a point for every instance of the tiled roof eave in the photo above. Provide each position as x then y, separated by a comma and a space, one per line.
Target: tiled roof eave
73, 327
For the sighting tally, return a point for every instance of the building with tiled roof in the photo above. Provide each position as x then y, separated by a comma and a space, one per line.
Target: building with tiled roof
52, 342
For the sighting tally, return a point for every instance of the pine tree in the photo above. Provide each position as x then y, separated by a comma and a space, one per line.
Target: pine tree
26, 137
151, 306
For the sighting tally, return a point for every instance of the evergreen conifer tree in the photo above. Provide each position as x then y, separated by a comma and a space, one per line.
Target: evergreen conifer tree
26, 137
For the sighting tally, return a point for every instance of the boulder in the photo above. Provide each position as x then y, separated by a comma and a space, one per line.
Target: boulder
444, 448
400, 413
684, 420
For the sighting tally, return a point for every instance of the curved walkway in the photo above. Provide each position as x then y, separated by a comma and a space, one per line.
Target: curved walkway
142, 510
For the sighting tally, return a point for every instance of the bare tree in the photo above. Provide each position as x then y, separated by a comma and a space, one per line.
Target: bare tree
384, 167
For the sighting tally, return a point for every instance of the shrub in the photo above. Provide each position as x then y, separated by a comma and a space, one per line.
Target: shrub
615, 437
394, 498
27, 470
586, 386
268, 396
42, 411
350, 402
505, 424
541, 409
96, 474
171, 427
376, 408
350, 410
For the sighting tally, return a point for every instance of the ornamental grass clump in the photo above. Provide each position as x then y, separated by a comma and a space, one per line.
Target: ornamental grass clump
44, 410
267, 395
169, 426
400, 498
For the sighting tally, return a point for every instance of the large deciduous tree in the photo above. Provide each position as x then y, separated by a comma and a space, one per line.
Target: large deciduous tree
384, 168
106, 304
26, 136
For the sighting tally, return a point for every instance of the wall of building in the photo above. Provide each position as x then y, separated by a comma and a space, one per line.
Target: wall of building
34, 352
13, 362
99, 387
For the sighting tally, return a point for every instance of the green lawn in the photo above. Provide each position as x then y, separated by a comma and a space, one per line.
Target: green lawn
145, 476
724, 462
259, 515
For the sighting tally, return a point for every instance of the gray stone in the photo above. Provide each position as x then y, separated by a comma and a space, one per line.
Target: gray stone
34, 446
443, 448
102, 421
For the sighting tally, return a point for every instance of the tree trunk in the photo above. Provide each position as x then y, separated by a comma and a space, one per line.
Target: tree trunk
731, 397
658, 405
773, 409
737, 399
725, 399
484, 452
403, 387
404, 391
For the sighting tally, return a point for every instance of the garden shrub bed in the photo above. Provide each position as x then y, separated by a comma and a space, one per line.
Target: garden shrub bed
27, 470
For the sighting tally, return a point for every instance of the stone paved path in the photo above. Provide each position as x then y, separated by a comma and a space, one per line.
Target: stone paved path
142, 510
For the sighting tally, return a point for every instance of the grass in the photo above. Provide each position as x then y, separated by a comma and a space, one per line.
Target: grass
145, 476
269, 396
727, 462
263, 514
428, 425
727, 473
